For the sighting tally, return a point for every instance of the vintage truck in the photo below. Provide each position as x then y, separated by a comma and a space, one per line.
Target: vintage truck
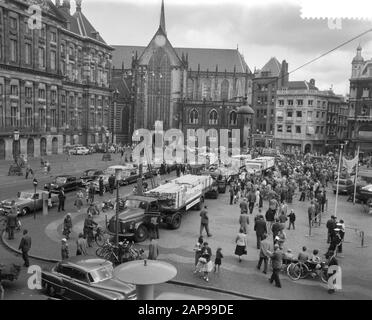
166, 204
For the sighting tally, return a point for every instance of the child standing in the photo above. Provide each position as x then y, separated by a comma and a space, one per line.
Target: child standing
218, 260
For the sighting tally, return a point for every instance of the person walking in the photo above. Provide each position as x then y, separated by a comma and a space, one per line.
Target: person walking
92, 191
67, 226
25, 246
61, 200
231, 191
270, 219
283, 218
243, 206
154, 224
265, 249
244, 221
204, 222
276, 260
277, 226
111, 181
292, 219
261, 230
311, 213
251, 199
341, 226
331, 225
11, 220
241, 244
79, 200
89, 225
153, 249
208, 265
218, 260
100, 184
81, 246
64, 249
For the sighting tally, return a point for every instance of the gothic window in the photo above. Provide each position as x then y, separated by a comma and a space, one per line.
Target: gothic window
194, 116
206, 89
225, 90
190, 88
233, 118
213, 117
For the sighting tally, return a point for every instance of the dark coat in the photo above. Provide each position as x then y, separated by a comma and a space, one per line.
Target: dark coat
277, 259
260, 227
204, 217
25, 244
11, 220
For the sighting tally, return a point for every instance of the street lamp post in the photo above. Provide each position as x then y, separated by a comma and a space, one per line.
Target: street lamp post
35, 185
117, 177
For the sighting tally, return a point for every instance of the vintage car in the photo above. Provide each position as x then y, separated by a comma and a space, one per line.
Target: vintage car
85, 278
90, 175
69, 183
26, 201
80, 151
364, 194
345, 186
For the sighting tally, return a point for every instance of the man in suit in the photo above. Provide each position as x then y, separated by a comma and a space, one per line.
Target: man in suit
204, 222
265, 249
25, 247
243, 206
111, 181
61, 200
11, 221
251, 199
261, 229
277, 261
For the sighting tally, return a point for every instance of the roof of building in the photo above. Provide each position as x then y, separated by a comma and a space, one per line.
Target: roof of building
301, 85
225, 59
272, 67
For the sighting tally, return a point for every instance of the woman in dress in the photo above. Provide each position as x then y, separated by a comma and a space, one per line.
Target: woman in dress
241, 244
67, 226
198, 248
207, 266
79, 200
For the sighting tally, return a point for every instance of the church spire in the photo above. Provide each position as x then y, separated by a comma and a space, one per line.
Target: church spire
162, 18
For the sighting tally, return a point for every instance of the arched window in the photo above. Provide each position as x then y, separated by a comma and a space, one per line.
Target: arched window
225, 90
233, 118
213, 117
194, 116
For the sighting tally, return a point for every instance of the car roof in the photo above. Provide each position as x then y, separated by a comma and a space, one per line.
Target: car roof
87, 263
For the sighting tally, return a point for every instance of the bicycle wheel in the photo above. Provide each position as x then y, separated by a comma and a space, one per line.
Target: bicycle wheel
100, 252
304, 270
294, 271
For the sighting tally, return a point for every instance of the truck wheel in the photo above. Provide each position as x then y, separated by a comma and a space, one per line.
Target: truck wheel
141, 233
176, 221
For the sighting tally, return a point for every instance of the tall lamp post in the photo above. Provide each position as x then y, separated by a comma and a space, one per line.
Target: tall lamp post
35, 185
117, 177
338, 174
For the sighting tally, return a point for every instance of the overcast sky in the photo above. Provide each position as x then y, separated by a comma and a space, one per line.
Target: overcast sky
262, 29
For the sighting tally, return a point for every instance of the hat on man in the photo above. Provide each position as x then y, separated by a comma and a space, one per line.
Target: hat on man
64, 240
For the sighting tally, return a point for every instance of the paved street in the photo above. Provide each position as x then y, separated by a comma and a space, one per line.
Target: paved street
176, 247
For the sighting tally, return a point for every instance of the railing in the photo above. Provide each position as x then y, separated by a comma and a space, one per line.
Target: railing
364, 118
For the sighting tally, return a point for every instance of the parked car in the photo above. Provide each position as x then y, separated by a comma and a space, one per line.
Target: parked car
86, 278
81, 151
345, 186
26, 202
69, 183
90, 175
364, 194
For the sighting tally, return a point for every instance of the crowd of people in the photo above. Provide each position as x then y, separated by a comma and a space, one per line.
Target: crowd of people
303, 179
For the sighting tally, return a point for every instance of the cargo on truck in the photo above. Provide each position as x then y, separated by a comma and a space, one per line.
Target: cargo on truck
163, 204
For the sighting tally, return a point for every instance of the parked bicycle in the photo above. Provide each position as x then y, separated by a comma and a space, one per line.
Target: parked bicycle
302, 270
101, 236
124, 252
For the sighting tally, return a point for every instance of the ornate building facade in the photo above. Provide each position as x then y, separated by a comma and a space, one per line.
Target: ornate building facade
54, 78
185, 88
360, 101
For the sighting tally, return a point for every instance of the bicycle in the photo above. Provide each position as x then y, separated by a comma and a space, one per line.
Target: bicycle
101, 237
302, 270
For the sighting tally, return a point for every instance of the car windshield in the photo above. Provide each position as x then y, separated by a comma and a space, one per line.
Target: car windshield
26, 195
60, 180
102, 274
135, 204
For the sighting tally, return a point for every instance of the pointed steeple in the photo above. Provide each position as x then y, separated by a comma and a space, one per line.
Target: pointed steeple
162, 18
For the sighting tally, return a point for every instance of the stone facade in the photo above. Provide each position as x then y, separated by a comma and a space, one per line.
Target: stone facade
54, 79
360, 111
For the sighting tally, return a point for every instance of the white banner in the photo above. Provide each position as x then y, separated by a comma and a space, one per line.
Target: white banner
350, 164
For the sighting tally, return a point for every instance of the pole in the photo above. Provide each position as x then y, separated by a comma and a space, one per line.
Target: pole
117, 212
338, 178
356, 175
34, 202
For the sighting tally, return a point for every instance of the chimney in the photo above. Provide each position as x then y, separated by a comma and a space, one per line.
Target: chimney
284, 74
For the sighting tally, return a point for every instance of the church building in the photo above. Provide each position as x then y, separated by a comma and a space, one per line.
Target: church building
185, 88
